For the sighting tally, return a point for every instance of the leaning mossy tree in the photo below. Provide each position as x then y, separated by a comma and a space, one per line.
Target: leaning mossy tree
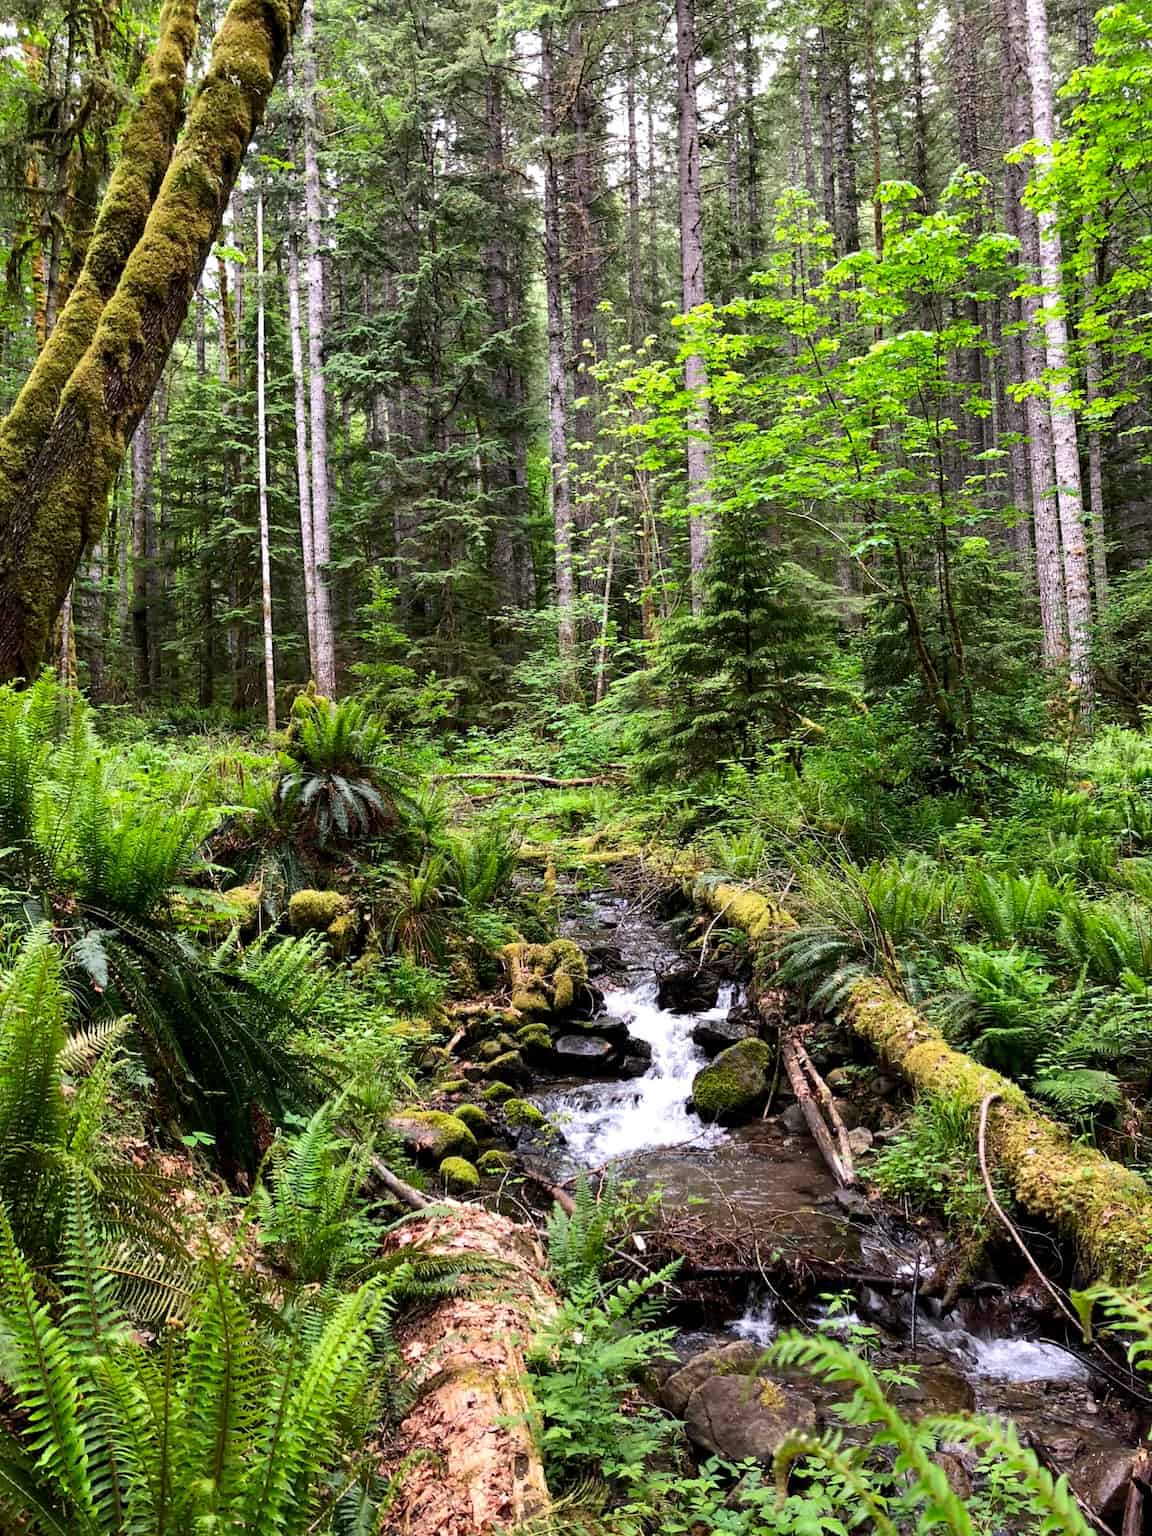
65, 436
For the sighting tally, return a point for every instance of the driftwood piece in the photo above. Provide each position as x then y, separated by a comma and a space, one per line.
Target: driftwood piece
842, 1171
480, 1472
823, 1095
1139, 1489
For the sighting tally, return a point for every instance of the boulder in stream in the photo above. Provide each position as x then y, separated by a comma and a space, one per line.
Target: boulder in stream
733, 1410
433, 1135
687, 990
713, 1035
577, 1054
735, 1084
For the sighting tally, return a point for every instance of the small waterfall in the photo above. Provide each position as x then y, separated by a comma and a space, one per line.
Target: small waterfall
605, 1122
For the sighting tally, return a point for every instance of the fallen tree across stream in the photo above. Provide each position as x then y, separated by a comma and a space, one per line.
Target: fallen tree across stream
1104, 1208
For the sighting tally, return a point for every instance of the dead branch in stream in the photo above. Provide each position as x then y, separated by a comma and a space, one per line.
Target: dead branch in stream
812, 1097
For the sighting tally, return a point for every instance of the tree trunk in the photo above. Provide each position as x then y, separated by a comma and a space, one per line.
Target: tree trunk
303, 472
755, 232
636, 318
804, 78
844, 125
827, 132
1065, 448
692, 293
142, 453
262, 478
481, 1473
1037, 417
557, 397
325, 655
60, 446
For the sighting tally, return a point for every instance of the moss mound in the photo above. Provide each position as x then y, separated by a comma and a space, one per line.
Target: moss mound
545, 977
494, 1161
498, 1093
315, 911
735, 1083
432, 1134
523, 1112
459, 1175
474, 1118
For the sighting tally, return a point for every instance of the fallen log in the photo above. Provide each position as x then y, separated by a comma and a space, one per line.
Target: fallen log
473, 1465
544, 780
1104, 1208
836, 1153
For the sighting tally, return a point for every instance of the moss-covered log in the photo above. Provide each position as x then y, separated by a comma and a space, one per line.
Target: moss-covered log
61, 445
482, 1472
1103, 1208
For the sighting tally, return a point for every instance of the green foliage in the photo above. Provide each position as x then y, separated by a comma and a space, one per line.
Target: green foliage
342, 783
220, 1424
932, 1164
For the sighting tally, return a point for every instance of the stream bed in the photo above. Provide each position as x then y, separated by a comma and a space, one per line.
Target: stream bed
768, 1183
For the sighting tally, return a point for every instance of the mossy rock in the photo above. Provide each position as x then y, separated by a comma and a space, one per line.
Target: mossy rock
494, 1161
454, 1085
459, 1175
474, 1118
509, 1064
545, 977
734, 1084
534, 1038
488, 1050
315, 911
432, 1134
498, 1093
522, 1112
245, 901
342, 934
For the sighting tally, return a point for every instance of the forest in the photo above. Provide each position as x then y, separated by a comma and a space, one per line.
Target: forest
575, 768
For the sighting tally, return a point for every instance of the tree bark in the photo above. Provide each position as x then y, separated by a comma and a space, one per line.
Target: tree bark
1065, 447
262, 478
557, 396
59, 455
804, 79
483, 1473
142, 455
325, 654
303, 470
692, 293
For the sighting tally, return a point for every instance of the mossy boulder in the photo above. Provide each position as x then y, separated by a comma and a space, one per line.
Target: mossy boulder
545, 978
522, 1112
474, 1118
494, 1162
488, 1050
315, 911
735, 1084
432, 1134
454, 1085
535, 1039
498, 1093
459, 1175
342, 934
507, 1067
245, 901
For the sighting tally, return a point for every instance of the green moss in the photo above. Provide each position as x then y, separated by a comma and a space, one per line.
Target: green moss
432, 1133
314, 911
544, 977
494, 1161
454, 1085
531, 1000
342, 934
524, 1112
490, 1049
510, 1063
474, 1118
735, 1083
245, 900
534, 1037
498, 1093
459, 1175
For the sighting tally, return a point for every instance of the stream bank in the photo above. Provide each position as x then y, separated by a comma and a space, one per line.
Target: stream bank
770, 1241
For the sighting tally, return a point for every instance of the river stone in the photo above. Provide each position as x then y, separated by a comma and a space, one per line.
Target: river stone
1101, 1476
686, 990
432, 1134
793, 1121
583, 1053
859, 1140
604, 959
740, 1358
713, 1035
745, 1416
735, 1084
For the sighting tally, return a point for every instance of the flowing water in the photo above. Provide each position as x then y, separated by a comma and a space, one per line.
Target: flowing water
758, 1177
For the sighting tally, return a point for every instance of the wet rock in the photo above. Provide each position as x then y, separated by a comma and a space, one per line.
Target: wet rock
637, 1059
848, 1112
604, 959
583, 1053
735, 1084
840, 1078
686, 990
1101, 1476
938, 1389
859, 1141
429, 1133
792, 1120
746, 1416
741, 1358
882, 1087
852, 1202
713, 1035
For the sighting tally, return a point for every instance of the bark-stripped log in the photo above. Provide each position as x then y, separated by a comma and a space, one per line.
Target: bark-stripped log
484, 1473
1099, 1205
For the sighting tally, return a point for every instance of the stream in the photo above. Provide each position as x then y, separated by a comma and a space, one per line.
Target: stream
770, 1184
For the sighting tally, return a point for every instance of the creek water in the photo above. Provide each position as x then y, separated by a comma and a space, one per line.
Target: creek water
763, 1181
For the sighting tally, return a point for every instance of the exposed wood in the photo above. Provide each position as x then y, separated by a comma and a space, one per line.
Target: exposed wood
396, 1186
842, 1172
481, 1472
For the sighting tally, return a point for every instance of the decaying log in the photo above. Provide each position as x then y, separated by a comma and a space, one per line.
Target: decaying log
543, 780
481, 1473
407, 1194
1104, 1208
838, 1157
1135, 1510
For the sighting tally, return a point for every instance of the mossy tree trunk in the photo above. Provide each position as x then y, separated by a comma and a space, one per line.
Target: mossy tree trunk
66, 434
